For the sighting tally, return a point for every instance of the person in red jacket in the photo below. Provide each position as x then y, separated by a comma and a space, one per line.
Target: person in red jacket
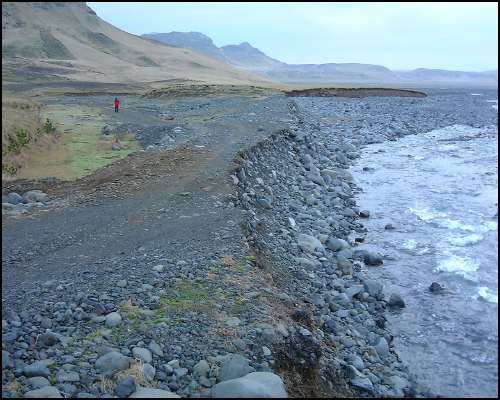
117, 104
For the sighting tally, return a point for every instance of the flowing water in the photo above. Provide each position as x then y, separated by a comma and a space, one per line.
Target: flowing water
440, 191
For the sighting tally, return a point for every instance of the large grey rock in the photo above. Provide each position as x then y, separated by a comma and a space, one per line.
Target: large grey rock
159, 268
396, 301
14, 198
335, 244
142, 354
67, 376
254, 385
34, 196
112, 362
353, 291
5, 359
150, 393
362, 382
201, 369
36, 369
234, 366
374, 288
316, 178
344, 265
148, 371
48, 392
368, 257
48, 339
37, 382
436, 287
308, 263
113, 319
364, 214
125, 387
155, 348
382, 347
309, 243
346, 253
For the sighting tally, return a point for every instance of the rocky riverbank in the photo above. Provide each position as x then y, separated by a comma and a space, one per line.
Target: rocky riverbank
187, 303
300, 216
304, 228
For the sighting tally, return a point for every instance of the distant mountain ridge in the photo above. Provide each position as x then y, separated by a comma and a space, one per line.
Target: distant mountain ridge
249, 58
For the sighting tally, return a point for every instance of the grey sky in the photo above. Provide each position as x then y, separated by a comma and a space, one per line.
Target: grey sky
455, 36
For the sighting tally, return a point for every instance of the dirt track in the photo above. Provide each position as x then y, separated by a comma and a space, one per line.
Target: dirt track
160, 199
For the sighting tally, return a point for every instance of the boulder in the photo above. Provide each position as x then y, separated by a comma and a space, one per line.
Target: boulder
309, 243
125, 387
113, 319
142, 354
37, 382
150, 393
374, 289
234, 366
344, 265
36, 369
155, 348
353, 291
5, 359
253, 385
368, 257
364, 214
201, 369
335, 244
435, 287
112, 362
396, 301
14, 198
34, 196
48, 392
48, 339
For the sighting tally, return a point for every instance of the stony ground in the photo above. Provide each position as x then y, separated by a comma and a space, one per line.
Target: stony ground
212, 255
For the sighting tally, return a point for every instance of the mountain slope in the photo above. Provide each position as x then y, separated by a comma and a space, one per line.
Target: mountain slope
68, 40
248, 57
190, 40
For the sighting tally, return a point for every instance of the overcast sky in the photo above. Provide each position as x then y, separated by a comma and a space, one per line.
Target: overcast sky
455, 36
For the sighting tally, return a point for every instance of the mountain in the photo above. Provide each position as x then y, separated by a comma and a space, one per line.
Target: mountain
249, 58
64, 40
441, 75
347, 72
242, 55
189, 40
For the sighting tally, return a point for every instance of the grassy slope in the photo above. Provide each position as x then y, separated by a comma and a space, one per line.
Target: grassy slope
23, 131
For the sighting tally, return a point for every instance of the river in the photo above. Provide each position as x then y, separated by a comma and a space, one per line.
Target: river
440, 192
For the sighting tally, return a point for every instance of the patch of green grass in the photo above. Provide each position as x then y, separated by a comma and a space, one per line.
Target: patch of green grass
118, 332
238, 307
93, 335
240, 268
188, 296
250, 259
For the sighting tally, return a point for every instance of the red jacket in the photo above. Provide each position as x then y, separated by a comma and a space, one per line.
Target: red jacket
117, 103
